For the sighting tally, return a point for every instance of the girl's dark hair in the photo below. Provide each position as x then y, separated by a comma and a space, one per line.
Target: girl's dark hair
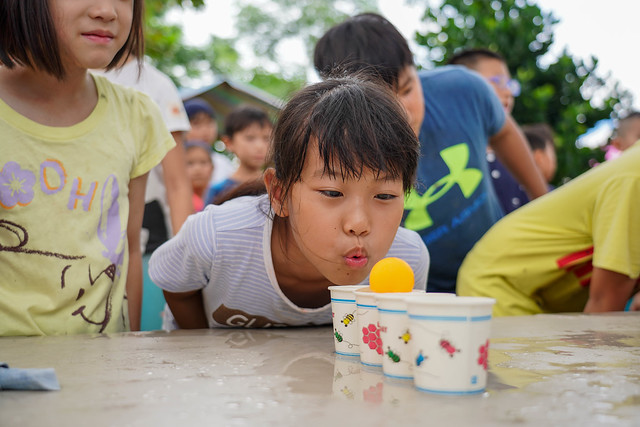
364, 42
28, 36
354, 123
244, 116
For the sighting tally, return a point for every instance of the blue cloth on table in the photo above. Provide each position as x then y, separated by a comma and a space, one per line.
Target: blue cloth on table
27, 379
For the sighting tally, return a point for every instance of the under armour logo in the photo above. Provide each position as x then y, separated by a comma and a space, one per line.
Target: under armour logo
456, 158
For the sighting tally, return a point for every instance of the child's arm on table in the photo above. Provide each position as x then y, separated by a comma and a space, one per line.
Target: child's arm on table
181, 267
187, 308
137, 188
513, 151
608, 291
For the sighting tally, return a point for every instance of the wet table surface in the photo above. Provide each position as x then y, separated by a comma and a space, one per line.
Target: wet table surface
574, 369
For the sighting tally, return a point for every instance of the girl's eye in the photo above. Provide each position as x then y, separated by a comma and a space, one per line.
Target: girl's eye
331, 193
385, 196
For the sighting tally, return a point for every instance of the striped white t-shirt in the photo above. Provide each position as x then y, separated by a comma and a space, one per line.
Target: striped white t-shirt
226, 251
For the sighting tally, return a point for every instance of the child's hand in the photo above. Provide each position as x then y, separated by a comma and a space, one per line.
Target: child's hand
635, 303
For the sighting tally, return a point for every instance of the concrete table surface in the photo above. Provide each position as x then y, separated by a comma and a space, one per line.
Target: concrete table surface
569, 370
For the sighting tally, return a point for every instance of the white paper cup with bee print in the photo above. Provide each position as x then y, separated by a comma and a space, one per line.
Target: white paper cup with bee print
345, 325
450, 343
395, 333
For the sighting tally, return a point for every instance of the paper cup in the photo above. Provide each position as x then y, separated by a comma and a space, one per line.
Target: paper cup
369, 339
395, 333
345, 326
450, 343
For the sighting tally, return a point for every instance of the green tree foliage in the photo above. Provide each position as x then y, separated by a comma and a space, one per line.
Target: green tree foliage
567, 94
164, 43
265, 26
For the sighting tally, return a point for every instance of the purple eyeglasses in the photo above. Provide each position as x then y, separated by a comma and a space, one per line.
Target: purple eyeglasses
504, 82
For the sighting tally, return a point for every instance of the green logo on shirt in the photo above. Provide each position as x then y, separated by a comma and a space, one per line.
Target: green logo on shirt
456, 158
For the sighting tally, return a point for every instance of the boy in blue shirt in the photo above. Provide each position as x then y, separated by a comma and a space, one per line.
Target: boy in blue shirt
454, 112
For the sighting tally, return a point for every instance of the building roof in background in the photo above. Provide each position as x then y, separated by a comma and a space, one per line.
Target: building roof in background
225, 94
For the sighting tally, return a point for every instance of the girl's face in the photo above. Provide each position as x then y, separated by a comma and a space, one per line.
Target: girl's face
199, 168
91, 32
342, 227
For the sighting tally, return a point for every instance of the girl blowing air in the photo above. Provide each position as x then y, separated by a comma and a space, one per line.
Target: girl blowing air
75, 155
344, 157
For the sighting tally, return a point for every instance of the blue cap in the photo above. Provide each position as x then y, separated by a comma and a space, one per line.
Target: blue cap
198, 105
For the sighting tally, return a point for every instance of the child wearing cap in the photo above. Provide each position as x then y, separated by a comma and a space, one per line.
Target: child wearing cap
204, 127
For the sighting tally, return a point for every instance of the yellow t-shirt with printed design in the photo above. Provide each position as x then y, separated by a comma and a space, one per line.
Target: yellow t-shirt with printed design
540, 257
64, 210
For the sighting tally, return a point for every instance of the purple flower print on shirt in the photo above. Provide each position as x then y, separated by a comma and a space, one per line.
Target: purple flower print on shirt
16, 185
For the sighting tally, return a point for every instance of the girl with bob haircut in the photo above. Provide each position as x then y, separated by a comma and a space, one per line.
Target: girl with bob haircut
76, 150
343, 157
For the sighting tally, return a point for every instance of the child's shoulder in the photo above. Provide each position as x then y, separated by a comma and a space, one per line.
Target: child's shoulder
248, 212
451, 73
118, 93
409, 239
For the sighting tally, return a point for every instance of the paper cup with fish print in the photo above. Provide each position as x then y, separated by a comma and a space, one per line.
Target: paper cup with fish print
450, 343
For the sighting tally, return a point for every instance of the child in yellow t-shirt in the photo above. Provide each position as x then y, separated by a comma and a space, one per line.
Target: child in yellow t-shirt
575, 249
76, 152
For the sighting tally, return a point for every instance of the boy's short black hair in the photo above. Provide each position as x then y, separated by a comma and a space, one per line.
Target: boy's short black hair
244, 116
470, 57
28, 37
538, 135
366, 42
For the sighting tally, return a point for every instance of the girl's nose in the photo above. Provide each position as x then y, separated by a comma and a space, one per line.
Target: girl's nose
357, 221
103, 9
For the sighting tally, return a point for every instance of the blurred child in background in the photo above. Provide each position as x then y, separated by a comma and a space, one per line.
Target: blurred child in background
626, 134
199, 170
204, 127
541, 141
247, 135
493, 67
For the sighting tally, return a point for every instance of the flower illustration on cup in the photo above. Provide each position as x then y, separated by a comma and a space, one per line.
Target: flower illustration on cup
16, 185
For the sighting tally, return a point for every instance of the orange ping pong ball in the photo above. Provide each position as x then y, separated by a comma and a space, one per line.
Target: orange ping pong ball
391, 275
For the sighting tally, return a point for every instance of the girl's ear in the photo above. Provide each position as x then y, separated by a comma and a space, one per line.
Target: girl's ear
275, 191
